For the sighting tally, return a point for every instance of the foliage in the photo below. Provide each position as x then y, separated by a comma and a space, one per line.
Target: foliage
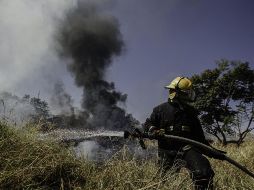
226, 100
16, 110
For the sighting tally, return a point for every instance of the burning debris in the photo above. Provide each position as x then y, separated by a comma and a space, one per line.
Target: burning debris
92, 41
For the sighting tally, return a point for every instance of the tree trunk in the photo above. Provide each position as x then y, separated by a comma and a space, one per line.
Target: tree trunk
224, 139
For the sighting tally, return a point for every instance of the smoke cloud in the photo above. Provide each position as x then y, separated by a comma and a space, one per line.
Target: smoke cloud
92, 40
61, 101
29, 62
87, 40
15, 110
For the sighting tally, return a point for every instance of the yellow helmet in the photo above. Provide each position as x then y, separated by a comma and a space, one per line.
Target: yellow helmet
181, 87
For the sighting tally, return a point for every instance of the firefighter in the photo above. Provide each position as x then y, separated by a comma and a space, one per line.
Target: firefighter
178, 117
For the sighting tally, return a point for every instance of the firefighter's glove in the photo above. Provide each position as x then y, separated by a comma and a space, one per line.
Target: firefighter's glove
155, 132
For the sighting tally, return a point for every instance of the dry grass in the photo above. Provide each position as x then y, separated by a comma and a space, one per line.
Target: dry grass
228, 176
28, 163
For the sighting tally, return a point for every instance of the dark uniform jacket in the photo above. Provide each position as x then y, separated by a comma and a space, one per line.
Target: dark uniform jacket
176, 119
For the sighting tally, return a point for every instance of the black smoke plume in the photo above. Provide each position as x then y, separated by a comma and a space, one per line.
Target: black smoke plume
92, 40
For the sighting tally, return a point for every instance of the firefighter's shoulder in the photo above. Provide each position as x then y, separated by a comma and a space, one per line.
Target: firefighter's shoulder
162, 107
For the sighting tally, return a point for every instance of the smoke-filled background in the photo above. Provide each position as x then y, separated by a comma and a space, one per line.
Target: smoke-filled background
29, 62
163, 39
43, 41
92, 40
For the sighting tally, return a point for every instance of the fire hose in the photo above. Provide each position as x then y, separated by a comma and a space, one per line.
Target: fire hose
205, 149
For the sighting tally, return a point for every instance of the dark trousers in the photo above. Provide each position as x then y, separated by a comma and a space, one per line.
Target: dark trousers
198, 166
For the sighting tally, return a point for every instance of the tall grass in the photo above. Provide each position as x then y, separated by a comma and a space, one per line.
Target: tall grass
228, 176
29, 163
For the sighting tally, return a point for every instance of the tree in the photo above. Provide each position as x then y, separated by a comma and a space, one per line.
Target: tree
225, 100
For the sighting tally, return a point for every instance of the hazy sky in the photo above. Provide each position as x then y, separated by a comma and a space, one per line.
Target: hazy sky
168, 38
164, 39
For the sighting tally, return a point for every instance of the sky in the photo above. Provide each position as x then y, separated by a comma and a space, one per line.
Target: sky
169, 38
163, 39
